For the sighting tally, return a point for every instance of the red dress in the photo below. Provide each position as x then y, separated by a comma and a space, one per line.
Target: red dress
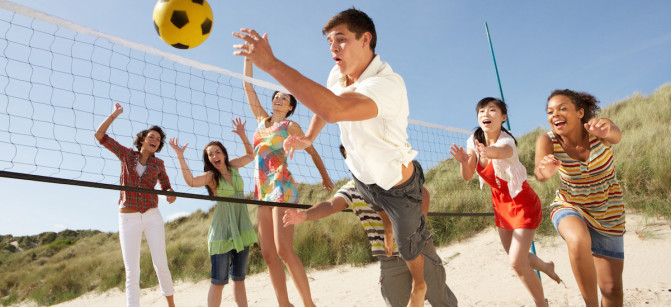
523, 211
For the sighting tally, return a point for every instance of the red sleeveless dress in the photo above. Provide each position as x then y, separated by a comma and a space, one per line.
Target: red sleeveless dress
523, 211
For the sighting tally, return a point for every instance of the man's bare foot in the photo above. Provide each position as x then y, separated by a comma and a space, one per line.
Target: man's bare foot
417, 295
550, 271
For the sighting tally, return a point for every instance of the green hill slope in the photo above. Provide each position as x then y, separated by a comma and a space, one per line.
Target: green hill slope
54, 269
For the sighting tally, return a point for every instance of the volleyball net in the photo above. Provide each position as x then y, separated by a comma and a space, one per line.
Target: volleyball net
60, 80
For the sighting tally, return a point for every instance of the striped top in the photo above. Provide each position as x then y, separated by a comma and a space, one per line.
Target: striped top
370, 220
591, 187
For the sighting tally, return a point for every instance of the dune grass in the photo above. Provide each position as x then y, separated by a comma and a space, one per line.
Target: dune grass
54, 269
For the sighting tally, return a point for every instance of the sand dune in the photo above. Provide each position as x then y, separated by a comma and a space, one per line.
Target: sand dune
477, 272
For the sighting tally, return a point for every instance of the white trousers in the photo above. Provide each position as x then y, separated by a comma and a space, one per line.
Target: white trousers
131, 227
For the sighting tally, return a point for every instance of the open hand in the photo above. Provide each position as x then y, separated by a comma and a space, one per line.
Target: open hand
293, 217
482, 150
256, 47
239, 127
174, 143
327, 184
459, 153
294, 142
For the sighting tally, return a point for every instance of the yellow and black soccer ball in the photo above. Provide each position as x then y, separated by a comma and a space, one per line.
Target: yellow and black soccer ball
183, 24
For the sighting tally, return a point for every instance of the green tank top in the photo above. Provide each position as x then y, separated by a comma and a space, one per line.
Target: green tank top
231, 226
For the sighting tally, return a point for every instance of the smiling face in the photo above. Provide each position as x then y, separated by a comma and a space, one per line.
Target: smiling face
350, 54
282, 103
490, 117
216, 156
563, 115
151, 142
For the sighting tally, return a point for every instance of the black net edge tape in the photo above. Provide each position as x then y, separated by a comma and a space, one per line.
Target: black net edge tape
22, 176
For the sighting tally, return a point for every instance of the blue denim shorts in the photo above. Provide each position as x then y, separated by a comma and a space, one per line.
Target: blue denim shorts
611, 247
402, 204
234, 262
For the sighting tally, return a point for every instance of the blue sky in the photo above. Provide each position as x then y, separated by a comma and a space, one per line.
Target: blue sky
611, 49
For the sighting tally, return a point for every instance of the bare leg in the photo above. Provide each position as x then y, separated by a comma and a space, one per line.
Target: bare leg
426, 199
546, 267
240, 293
171, 300
214, 295
579, 243
518, 243
388, 233
418, 292
269, 252
609, 276
284, 241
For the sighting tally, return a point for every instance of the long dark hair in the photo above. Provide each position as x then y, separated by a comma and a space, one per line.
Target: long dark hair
581, 100
292, 102
479, 134
209, 167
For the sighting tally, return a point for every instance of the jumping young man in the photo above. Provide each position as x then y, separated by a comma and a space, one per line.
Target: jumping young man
370, 104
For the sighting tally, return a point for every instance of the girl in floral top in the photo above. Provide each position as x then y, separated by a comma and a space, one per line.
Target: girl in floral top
275, 183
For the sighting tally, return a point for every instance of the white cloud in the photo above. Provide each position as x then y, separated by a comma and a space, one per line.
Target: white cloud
59, 227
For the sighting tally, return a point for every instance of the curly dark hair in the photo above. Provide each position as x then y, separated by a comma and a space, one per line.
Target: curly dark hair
581, 100
357, 22
139, 138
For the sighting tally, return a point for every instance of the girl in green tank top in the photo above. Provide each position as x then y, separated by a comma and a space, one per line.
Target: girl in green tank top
231, 231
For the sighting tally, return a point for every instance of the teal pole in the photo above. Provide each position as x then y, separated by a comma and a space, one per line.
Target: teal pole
497, 72
498, 79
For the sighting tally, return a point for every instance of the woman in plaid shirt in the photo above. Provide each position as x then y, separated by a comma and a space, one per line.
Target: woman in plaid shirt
138, 212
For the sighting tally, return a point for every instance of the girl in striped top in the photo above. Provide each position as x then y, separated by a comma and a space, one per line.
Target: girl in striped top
588, 210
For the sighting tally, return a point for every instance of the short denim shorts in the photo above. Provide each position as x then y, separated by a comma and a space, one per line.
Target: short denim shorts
234, 262
402, 204
611, 247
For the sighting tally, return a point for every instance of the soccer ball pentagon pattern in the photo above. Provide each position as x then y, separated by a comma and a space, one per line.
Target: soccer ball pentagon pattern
183, 24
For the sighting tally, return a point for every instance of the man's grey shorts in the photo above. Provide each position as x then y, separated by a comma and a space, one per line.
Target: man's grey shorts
402, 205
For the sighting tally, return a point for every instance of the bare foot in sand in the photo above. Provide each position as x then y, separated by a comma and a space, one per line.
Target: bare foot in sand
549, 270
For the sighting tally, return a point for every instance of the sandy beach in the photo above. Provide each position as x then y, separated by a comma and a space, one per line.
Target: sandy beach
477, 272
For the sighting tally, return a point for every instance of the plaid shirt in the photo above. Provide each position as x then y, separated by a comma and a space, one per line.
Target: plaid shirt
155, 171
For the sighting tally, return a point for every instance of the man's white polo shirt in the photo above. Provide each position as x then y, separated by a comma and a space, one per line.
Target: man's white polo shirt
376, 147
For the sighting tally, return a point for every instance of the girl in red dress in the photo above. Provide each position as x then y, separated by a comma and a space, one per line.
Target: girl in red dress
492, 152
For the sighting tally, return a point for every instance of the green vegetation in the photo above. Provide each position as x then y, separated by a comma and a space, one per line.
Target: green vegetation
55, 267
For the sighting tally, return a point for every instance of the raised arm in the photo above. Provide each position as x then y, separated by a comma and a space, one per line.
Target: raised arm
318, 211
545, 163
467, 160
249, 150
102, 129
330, 107
253, 100
295, 130
200, 181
